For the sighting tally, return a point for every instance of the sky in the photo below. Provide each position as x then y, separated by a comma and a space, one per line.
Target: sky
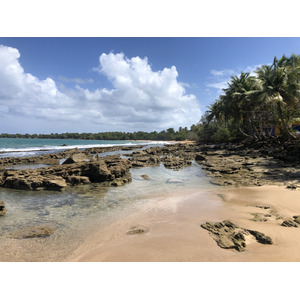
121, 83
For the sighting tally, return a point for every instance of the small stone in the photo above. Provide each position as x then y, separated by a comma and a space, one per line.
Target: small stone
145, 176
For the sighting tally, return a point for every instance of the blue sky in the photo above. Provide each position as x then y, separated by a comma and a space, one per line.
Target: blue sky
60, 85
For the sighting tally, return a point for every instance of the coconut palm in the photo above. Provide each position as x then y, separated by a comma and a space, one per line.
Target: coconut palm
279, 85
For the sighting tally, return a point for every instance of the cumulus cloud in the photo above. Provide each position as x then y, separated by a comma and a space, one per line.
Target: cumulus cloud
140, 99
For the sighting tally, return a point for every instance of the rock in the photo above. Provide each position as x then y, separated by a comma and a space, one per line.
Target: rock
75, 180
297, 219
174, 180
145, 176
33, 232
261, 237
199, 157
137, 230
292, 186
75, 158
229, 236
263, 206
2, 208
289, 223
175, 163
259, 217
111, 169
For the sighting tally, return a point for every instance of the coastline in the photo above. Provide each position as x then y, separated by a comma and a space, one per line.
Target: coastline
170, 228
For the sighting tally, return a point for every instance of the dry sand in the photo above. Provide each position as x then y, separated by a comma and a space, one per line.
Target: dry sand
172, 232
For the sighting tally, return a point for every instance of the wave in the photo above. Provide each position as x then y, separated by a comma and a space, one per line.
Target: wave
47, 148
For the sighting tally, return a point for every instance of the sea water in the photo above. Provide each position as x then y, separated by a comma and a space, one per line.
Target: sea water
81, 210
20, 147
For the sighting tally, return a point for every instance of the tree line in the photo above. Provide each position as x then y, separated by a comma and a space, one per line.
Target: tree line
256, 106
170, 134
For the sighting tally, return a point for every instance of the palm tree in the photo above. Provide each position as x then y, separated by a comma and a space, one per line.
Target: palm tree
280, 86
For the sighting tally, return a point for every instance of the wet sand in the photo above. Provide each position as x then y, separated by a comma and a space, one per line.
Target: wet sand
167, 228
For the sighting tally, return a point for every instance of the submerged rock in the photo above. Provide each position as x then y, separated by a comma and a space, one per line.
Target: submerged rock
145, 176
33, 232
2, 208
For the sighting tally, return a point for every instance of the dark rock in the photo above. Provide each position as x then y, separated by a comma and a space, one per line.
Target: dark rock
297, 219
2, 208
292, 186
289, 223
199, 157
145, 176
261, 237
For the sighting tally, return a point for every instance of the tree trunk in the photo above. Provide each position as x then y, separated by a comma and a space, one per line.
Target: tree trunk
285, 126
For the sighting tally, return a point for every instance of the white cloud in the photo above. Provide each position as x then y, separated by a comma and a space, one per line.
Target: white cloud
76, 80
222, 73
220, 78
140, 99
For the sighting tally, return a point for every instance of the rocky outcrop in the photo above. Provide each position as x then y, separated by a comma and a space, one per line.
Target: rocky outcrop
175, 163
112, 169
2, 208
229, 236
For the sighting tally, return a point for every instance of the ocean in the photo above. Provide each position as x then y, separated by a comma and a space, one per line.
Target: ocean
79, 211
21, 147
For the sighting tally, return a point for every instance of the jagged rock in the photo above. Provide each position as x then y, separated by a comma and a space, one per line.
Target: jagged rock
75, 158
175, 163
111, 169
229, 236
2, 208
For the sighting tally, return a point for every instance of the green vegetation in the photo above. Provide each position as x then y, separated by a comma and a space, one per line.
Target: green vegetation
169, 134
253, 106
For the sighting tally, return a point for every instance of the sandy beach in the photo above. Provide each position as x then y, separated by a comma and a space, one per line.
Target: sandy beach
167, 228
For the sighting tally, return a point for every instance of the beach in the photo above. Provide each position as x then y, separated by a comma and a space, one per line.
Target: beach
170, 228
182, 202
